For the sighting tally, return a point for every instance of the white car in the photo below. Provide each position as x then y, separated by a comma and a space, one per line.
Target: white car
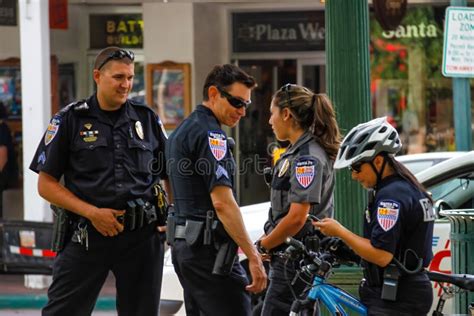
419, 162
449, 182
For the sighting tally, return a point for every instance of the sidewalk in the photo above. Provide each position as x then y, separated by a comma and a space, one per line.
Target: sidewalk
14, 294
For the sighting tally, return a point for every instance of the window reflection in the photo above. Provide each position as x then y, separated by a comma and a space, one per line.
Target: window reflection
138, 90
406, 81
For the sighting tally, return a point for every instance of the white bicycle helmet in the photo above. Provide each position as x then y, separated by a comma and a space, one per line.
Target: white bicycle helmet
367, 140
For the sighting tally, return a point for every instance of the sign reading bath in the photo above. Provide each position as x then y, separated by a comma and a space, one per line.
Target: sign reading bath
124, 30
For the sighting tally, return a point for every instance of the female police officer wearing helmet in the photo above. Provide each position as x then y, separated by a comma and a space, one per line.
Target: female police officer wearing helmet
302, 183
398, 224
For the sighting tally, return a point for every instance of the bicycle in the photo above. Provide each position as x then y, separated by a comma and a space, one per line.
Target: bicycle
318, 266
464, 282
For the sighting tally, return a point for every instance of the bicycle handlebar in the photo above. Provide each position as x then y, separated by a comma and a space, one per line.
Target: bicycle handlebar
296, 246
464, 281
295, 243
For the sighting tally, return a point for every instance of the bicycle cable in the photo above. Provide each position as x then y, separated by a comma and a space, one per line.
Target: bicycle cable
285, 272
304, 281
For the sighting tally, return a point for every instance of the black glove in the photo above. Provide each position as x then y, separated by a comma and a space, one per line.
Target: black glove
337, 247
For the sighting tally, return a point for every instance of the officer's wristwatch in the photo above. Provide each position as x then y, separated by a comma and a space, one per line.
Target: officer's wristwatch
261, 250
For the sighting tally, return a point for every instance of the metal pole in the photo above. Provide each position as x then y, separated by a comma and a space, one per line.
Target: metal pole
462, 105
348, 79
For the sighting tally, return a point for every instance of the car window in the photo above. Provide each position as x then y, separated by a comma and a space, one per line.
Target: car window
417, 166
456, 192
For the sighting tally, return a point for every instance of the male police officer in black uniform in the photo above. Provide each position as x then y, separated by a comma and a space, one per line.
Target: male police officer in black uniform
110, 151
201, 171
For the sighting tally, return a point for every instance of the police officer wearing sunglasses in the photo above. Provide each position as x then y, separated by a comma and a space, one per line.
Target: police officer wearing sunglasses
302, 183
206, 227
109, 151
398, 223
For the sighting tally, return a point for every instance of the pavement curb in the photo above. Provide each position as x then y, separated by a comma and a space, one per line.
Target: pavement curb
38, 301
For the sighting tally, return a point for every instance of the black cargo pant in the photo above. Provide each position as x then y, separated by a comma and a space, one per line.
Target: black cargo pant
135, 258
414, 298
278, 298
205, 293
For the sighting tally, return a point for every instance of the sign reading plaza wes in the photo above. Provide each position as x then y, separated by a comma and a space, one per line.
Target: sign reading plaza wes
458, 56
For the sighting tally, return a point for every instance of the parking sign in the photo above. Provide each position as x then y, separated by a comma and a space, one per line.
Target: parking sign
458, 52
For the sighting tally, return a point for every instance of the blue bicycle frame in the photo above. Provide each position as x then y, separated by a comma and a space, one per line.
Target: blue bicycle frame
334, 298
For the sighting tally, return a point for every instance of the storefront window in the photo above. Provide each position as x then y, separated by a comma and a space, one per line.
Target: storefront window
138, 90
66, 84
406, 81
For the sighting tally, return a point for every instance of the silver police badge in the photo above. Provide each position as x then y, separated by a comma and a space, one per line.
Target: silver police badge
139, 130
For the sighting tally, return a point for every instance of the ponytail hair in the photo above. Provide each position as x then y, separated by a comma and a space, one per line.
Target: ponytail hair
324, 127
312, 112
406, 174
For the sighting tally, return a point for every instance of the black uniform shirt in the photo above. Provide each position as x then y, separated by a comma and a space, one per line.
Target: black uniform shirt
400, 218
104, 164
303, 174
198, 159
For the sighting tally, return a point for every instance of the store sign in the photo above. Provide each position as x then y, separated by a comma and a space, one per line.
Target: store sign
420, 30
123, 30
8, 12
58, 14
458, 52
278, 31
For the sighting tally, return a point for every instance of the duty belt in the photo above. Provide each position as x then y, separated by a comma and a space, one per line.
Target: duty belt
194, 231
191, 232
138, 214
210, 232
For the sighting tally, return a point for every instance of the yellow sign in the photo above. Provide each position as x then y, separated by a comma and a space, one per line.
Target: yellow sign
124, 30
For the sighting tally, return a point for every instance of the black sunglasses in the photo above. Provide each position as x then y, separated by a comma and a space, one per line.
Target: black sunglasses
234, 101
117, 55
357, 167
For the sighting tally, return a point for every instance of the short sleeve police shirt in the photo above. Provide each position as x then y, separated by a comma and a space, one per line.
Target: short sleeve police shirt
305, 180
53, 151
303, 174
199, 159
104, 163
400, 218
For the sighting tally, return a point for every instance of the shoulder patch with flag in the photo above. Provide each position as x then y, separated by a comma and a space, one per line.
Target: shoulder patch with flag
305, 171
52, 130
217, 144
387, 214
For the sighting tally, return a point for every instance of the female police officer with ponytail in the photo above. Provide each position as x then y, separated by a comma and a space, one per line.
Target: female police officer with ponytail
302, 182
398, 224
